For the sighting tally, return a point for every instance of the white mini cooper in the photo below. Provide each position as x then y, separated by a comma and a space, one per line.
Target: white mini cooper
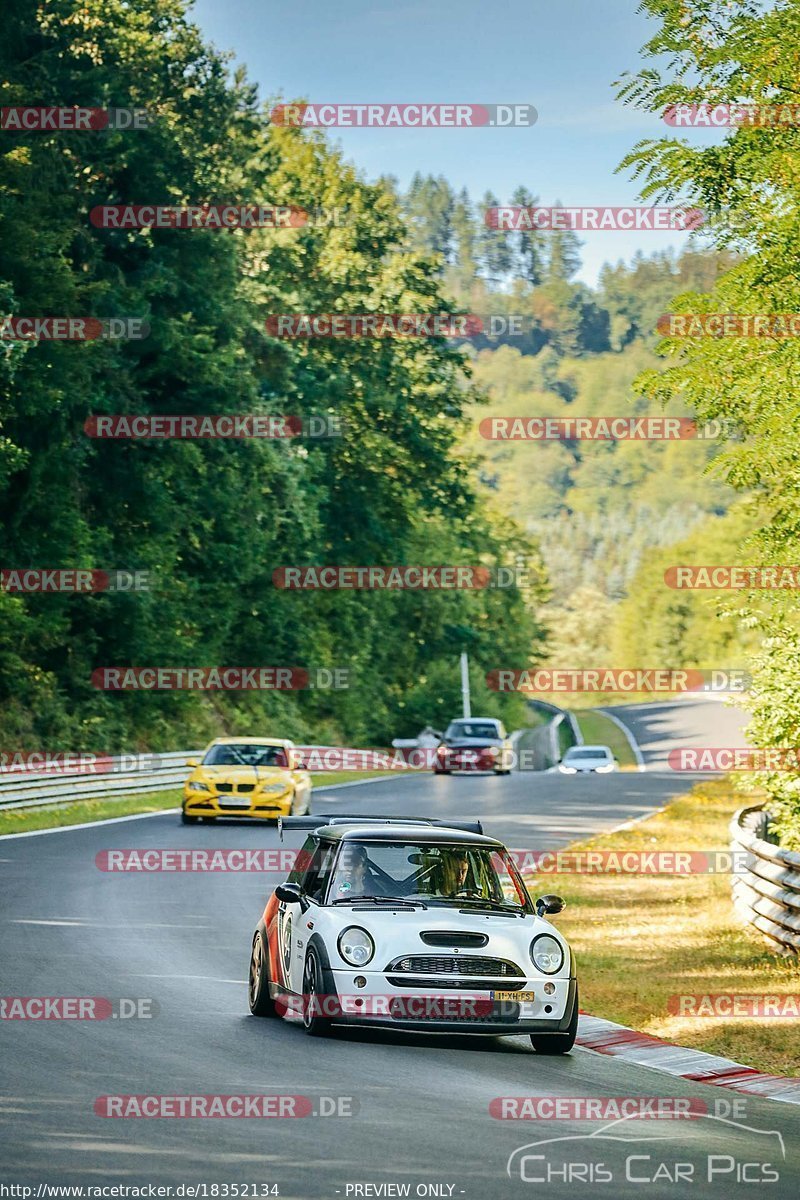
413, 924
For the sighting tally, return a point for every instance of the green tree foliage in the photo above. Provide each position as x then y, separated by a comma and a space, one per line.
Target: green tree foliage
749, 181
658, 624
211, 520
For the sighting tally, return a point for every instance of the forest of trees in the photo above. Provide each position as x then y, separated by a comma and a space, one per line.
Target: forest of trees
212, 520
411, 481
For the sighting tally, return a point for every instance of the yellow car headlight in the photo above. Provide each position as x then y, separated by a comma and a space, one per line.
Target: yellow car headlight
196, 786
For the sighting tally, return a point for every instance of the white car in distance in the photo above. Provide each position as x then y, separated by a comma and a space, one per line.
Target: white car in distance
588, 760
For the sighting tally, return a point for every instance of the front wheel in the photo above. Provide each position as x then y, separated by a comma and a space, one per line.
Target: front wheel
558, 1043
261, 1003
314, 1023
187, 820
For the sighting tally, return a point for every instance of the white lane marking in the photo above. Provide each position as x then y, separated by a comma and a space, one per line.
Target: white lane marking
645, 816
208, 978
631, 739
159, 812
104, 924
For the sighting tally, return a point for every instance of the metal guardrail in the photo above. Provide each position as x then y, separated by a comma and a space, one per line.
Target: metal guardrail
115, 777
766, 881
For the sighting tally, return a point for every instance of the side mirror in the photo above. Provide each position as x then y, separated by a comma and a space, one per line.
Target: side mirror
290, 893
193, 762
549, 905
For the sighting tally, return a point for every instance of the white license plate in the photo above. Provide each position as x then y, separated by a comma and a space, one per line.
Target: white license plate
514, 996
232, 803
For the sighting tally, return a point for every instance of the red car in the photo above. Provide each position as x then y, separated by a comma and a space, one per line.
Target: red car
475, 744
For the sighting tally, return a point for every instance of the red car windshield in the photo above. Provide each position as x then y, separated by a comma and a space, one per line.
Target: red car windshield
472, 729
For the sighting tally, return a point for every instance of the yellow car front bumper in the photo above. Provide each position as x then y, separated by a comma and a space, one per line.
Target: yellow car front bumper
253, 804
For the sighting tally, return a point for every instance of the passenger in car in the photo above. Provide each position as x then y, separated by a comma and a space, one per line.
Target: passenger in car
354, 877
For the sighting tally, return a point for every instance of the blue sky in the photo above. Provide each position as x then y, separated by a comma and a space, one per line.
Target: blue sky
562, 56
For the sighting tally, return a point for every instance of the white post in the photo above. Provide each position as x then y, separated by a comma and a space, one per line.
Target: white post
465, 685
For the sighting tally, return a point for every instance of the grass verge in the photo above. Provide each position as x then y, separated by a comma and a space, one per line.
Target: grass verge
640, 939
599, 730
125, 806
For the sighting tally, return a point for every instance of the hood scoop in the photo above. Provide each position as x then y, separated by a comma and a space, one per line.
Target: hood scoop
440, 937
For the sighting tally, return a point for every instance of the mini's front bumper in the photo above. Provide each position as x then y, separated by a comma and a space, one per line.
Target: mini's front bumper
449, 1009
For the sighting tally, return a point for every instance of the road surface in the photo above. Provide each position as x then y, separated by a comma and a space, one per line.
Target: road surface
423, 1118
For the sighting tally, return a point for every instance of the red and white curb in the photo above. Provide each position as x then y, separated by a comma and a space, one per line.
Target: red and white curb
606, 1037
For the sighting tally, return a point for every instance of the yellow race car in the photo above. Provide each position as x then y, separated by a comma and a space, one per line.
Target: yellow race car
246, 777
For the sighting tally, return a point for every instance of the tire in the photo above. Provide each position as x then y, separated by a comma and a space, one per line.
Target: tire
301, 808
261, 1003
558, 1043
313, 1023
187, 820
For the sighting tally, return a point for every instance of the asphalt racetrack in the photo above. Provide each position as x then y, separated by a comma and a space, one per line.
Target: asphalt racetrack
406, 1111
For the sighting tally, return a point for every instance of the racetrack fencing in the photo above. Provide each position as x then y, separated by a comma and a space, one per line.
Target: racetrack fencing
126, 775
766, 881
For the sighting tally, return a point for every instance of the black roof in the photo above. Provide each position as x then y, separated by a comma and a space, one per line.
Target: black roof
433, 834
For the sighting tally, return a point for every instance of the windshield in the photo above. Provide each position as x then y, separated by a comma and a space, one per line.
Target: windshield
436, 874
472, 729
244, 754
598, 752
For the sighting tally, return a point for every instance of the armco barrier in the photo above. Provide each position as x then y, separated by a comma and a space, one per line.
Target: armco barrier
766, 893
27, 789
545, 745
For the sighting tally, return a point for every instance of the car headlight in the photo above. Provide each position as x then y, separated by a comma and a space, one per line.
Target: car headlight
356, 946
604, 769
547, 954
198, 787
274, 789
567, 770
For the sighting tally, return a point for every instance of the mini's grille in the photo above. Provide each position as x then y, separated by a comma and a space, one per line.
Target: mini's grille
451, 964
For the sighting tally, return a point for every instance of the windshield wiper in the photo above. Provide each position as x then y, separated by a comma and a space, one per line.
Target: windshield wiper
496, 905
380, 900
